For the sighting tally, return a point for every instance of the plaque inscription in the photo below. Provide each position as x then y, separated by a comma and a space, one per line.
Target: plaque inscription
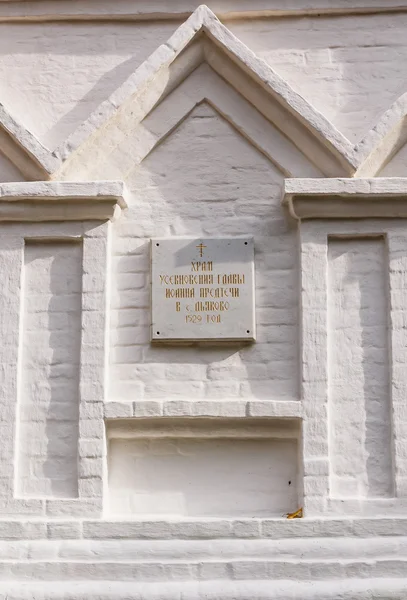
202, 289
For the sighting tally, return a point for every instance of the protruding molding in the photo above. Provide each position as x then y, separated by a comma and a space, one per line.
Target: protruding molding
142, 10
202, 37
24, 150
341, 198
228, 408
174, 61
251, 76
384, 140
203, 86
61, 201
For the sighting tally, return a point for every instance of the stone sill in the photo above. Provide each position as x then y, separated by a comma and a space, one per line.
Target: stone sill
198, 528
61, 201
280, 409
346, 198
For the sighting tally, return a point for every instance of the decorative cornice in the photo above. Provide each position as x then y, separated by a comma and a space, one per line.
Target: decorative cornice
251, 76
61, 201
346, 198
142, 10
331, 152
313, 133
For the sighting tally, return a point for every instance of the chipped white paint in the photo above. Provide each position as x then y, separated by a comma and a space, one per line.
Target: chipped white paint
136, 469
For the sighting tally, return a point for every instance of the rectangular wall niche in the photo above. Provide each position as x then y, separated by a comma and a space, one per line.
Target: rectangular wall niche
48, 412
358, 347
203, 467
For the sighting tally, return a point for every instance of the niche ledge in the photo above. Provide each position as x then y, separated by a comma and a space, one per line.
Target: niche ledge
346, 198
41, 201
280, 409
199, 468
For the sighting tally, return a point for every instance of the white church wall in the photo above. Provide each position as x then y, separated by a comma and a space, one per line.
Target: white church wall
396, 167
53, 437
48, 421
8, 172
213, 468
223, 186
136, 469
58, 73
358, 353
347, 442
350, 68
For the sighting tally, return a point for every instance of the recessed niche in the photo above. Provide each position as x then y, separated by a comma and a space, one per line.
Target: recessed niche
203, 467
360, 412
48, 411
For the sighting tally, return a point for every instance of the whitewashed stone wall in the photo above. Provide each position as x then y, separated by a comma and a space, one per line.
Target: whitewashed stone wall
145, 471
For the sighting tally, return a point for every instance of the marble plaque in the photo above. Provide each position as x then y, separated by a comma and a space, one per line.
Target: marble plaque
202, 289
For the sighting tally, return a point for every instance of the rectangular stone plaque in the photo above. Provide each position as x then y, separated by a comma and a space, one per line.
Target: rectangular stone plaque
202, 289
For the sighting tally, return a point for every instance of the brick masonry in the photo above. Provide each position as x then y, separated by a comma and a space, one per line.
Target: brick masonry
125, 467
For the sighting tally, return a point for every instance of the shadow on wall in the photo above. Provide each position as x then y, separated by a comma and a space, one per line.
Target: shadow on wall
56, 74
350, 68
206, 180
102, 90
360, 413
53, 282
64, 325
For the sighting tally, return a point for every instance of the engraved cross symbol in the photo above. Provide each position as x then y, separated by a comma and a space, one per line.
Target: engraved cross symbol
201, 248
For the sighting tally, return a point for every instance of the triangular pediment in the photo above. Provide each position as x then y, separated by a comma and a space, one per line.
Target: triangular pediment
204, 39
127, 140
8, 171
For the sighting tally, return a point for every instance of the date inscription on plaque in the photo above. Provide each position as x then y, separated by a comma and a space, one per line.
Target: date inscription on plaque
202, 289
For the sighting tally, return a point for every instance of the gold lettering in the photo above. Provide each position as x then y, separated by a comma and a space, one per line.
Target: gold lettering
211, 306
213, 319
206, 279
180, 293
178, 306
201, 266
186, 279
219, 292
231, 279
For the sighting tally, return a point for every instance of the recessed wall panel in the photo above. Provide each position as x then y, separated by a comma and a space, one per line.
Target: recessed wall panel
358, 352
48, 411
188, 469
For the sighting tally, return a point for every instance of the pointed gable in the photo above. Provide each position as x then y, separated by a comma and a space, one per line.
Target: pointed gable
203, 38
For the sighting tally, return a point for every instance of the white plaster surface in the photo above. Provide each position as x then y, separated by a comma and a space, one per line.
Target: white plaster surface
202, 135
93, 59
202, 477
48, 422
336, 63
8, 172
365, 157
230, 183
359, 412
49, 10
